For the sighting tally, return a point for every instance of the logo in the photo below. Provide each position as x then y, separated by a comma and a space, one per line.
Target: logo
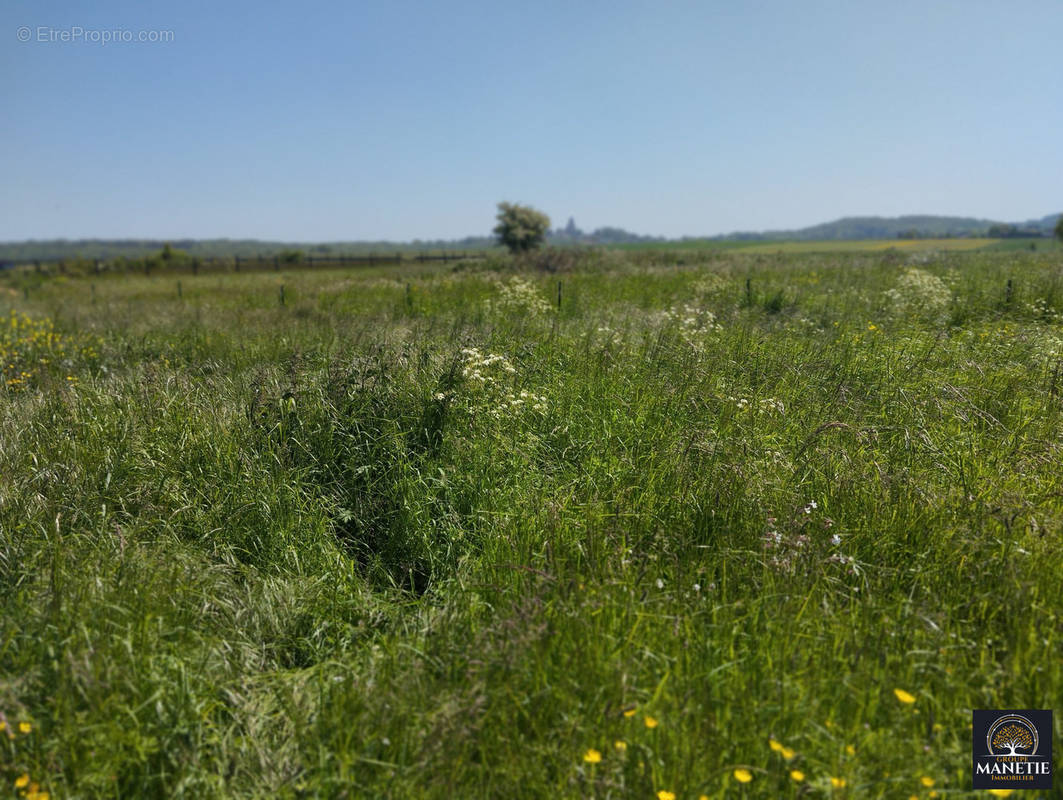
1012, 749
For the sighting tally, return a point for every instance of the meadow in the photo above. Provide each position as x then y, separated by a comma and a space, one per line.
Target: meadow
657, 524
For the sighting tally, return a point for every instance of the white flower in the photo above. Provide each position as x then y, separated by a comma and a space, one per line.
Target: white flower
836, 540
660, 583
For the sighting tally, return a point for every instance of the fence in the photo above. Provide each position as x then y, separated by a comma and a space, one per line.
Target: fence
197, 264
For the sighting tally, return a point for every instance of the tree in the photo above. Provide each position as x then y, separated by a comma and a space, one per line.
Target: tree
1013, 737
521, 228
1059, 228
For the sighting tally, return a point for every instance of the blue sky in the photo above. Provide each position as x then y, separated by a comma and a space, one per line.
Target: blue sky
401, 120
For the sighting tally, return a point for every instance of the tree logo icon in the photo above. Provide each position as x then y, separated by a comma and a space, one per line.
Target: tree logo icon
1011, 748
1012, 735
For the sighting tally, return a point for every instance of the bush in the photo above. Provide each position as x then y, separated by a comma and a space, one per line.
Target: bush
521, 228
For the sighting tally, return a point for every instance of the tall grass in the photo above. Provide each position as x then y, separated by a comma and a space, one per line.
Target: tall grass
328, 548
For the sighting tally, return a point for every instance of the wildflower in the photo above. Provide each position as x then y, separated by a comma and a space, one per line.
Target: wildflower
775, 746
592, 756
22, 780
927, 781
630, 712
660, 583
620, 745
25, 727
695, 325
787, 753
850, 749
797, 775
837, 783
519, 296
663, 795
921, 294
904, 697
743, 775
651, 722
1001, 792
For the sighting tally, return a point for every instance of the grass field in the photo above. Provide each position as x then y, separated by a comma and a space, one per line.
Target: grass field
738, 527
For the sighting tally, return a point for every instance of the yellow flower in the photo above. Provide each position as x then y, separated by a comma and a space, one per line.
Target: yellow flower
663, 795
703, 797
904, 697
620, 745
837, 783
25, 727
650, 722
630, 712
22, 780
1001, 792
850, 749
927, 781
932, 795
797, 775
592, 756
743, 775
3, 725
871, 326
774, 745
787, 753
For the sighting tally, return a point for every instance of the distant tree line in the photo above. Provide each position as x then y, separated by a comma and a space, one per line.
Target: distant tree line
572, 234
922, 227
137, 249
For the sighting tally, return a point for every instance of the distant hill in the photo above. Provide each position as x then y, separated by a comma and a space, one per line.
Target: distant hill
847, 228
913, 226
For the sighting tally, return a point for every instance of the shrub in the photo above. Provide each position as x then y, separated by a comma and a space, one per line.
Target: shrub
521, 228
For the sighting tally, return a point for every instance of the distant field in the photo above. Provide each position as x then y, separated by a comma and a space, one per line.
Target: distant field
871, 245
736, 527
856, 246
